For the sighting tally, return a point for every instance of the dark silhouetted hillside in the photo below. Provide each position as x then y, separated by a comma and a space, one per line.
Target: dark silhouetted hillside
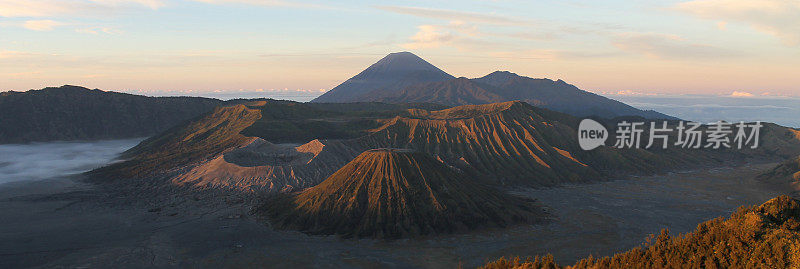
78, 113
786, 174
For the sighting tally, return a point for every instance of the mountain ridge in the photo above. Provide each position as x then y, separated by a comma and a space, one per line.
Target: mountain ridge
405, 78
509, 143
78, 113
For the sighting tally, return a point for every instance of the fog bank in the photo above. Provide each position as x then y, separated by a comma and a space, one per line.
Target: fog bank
38, 161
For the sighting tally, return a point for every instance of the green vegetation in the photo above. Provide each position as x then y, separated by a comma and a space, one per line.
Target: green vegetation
766, 236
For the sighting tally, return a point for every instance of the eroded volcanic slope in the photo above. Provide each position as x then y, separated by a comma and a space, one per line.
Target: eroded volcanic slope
511, 142
391, 193
766, 236
277, 146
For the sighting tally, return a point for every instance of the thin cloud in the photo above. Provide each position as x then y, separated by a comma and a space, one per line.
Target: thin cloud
41, 25
54, 8
429, 36
668, 46
98, 30
741, 94
153, 4
775, 17
267, 3
453, 15
457, 34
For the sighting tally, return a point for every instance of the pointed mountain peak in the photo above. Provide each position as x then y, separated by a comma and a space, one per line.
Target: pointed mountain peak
402, 54
391, 73
400, 62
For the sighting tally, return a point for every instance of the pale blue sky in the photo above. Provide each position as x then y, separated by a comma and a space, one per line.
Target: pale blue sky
288, 48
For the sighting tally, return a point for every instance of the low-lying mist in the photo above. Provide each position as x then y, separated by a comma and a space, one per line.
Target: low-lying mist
38, 161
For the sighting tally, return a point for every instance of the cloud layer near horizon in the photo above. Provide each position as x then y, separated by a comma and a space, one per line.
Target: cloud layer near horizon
704, 46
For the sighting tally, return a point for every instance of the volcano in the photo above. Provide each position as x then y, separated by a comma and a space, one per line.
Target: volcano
394, 72
393, 193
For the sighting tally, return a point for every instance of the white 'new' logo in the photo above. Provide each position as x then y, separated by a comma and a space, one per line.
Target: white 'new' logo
591, 134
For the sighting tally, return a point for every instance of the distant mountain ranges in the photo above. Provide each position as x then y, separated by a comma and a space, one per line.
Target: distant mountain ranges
403, 77
78, 113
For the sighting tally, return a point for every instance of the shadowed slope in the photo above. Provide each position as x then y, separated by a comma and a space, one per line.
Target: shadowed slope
786, 175
456, 92
392, 193
196, 141
766, 236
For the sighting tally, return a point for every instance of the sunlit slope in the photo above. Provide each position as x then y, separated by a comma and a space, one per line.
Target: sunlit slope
392, 193
512, 142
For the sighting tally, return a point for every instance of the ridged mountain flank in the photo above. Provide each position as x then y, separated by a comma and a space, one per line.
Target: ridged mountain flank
502, 86
277, 146
392, 193
394, 72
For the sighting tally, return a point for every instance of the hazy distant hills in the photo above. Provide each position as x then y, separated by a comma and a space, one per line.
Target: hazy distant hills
393, 72
392, 193
390, 80
78, 113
